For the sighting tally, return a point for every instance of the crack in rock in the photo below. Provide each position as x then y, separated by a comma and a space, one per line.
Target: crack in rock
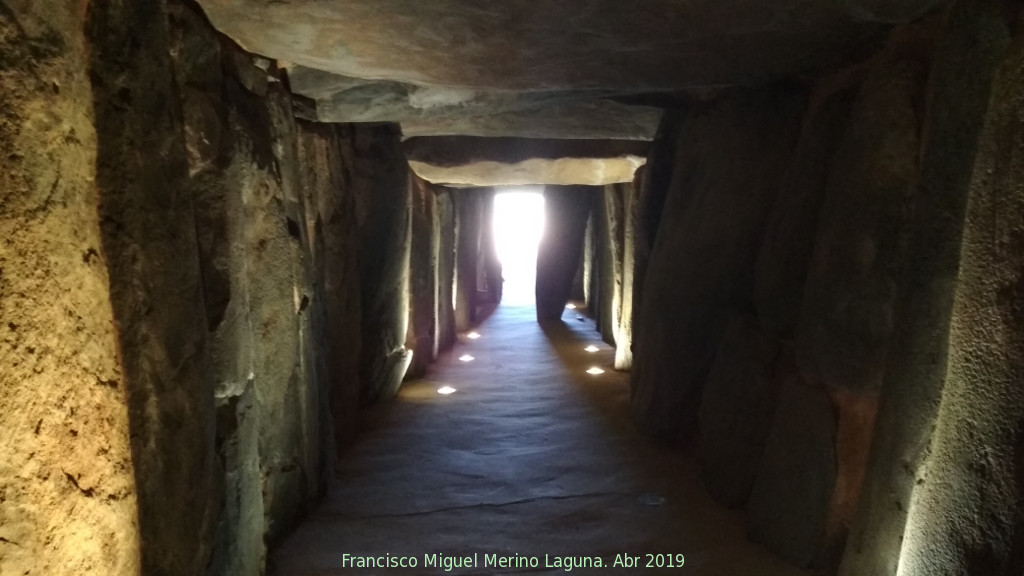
485, 505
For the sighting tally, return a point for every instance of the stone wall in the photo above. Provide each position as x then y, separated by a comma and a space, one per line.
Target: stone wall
447, 222
770, 293
729, 156
560, 252
608, 267
67, 487
468, 262
955, 329
196, 290
836, 330
422, 336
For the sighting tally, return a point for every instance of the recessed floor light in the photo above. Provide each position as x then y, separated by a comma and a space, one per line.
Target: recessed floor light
591, 348
472, 335
446, 390
595, 371
466, 358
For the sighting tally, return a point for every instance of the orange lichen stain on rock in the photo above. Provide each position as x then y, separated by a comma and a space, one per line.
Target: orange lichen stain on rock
856, 414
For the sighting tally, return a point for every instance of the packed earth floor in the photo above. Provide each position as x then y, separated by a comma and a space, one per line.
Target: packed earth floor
532, 460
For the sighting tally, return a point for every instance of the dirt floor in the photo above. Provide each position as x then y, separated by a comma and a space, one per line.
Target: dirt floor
531, 460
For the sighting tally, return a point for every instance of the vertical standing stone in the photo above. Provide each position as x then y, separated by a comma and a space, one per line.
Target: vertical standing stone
423, 287
729, 162
149, 239
624, 331
959, 93
566, 209
446, 268
469, 207
785, 254
655, 179
848, 308
489, 250
64, 406
789, 503
386, 203
736, 411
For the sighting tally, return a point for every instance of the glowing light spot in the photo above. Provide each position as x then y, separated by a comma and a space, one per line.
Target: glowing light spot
518, 225
466, 358
445, 390
472, 335
570, 306
595, 371
591, 348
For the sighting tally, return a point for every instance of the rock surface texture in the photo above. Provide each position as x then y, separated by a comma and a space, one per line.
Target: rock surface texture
736, 411
473, 161
849, 298
509, 45
231, 231
566, 210
200, 251
726, 173
68, 499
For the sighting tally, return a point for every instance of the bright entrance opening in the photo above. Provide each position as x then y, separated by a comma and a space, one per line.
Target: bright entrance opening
518, 225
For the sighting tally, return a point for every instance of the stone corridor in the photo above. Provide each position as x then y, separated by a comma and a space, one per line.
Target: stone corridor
531, 455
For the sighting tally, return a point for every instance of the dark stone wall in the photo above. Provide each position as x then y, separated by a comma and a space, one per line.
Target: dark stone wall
468, 261
385, 244
848, 303
847, 357
978, 443
566, 210
150, 250
608, 267
446, 268
607, 229
655, 178
728, 164
788, 241
422, 338
492, 279
926, 357
235, 277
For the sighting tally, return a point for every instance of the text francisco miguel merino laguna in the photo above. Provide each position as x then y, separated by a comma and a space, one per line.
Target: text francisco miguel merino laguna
567, 563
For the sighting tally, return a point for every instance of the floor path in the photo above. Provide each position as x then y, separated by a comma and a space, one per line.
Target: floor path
530, 457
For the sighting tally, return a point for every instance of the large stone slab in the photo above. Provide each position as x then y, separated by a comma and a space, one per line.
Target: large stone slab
578, 120
789, 235
848, 311
422, 334
430, 111
945, 460
736, 411
67, 473
566, 211
972, 477
473, 161
523, 45
468, 261
729, 159
385, 203
446, 268
790, 501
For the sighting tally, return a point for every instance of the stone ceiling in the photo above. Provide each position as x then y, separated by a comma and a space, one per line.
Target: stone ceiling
543, 69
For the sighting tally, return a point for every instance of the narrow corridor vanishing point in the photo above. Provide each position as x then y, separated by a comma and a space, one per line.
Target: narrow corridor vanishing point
244, 245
